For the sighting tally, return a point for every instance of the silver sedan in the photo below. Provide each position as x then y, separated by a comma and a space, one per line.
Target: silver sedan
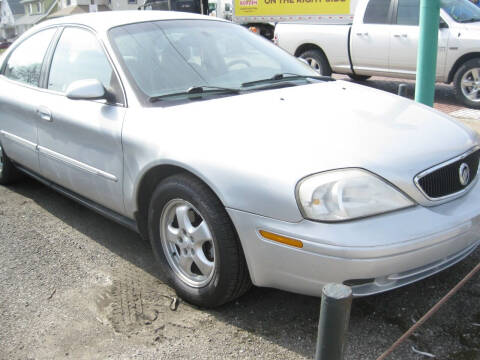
235, 160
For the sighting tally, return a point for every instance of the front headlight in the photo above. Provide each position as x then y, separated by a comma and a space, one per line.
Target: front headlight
347, 194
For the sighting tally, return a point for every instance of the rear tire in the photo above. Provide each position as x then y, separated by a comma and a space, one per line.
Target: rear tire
188, 225
8, 172
317, 61
356, 77
466, 84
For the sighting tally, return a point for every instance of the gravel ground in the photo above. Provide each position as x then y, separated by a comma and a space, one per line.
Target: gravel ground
75, 285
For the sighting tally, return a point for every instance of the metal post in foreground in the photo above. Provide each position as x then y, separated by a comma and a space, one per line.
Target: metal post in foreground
333, 322
402, 90
427, 51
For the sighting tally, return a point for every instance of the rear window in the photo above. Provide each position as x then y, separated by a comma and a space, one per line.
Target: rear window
408, 12
377, 12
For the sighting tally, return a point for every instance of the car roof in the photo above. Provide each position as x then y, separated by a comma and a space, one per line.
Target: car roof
102, 21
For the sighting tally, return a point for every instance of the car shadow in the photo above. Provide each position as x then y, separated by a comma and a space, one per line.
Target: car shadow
283, 318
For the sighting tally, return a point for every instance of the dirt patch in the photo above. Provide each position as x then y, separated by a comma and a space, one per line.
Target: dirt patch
139, 305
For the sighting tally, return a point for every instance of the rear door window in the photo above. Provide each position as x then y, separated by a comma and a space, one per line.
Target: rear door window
377, 12
25, 63
408, 12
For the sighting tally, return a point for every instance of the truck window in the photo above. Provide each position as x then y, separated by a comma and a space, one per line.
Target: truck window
408, 12
377, 12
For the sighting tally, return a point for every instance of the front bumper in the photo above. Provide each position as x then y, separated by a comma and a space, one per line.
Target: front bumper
381, 253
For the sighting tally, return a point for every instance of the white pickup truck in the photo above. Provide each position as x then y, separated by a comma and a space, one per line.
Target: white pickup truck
383, 41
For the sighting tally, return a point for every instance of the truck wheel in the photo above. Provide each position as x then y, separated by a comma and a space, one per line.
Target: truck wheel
317, 60
356, 77
8, 172
195, 242
467, 83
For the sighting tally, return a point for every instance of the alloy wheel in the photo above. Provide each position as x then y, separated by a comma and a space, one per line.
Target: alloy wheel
470, 84
314, 64
187, 243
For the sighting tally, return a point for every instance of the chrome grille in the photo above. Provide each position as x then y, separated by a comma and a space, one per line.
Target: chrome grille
444, 180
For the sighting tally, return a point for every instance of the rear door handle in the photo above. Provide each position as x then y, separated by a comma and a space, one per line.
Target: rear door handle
44, 113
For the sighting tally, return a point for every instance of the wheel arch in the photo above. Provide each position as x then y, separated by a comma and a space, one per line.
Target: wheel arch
460, 61
149, 181
309, 46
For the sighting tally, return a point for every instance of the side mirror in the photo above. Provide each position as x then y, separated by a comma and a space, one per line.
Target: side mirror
89, 89
443, 24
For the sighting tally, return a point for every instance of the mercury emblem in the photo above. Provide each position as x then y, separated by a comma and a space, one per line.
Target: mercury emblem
464, 172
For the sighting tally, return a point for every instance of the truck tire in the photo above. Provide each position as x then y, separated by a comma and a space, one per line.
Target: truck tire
466, 83
317, 60
356, 77
8, 172
195, 242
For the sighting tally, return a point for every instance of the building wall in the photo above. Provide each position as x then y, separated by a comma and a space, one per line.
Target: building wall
20, 29
7, 21
35, 12
7, 18
125, 4
38, 7
67, 3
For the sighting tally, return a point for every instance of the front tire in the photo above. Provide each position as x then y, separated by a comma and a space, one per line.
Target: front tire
8, 172
195, 242
317, 61
467, 83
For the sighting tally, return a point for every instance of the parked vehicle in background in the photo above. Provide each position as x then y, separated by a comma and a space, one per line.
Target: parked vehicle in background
307, 181
190, 6
4, 44
264, 14
220, 8
383, 41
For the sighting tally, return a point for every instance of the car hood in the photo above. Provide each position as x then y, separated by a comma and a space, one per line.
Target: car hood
253, 149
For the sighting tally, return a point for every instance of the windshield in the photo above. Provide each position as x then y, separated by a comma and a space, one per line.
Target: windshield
166, 57
462, 11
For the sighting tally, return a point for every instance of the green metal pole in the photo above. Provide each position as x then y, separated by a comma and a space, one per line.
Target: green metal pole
427, 51
333, 321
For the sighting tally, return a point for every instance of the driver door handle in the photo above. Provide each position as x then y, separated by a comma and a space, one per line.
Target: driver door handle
44, 113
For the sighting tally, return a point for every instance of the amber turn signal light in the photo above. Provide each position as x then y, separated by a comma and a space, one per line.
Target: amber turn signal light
281, 239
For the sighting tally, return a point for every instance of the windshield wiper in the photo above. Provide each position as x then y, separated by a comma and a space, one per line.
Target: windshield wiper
286, 76
196, 91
